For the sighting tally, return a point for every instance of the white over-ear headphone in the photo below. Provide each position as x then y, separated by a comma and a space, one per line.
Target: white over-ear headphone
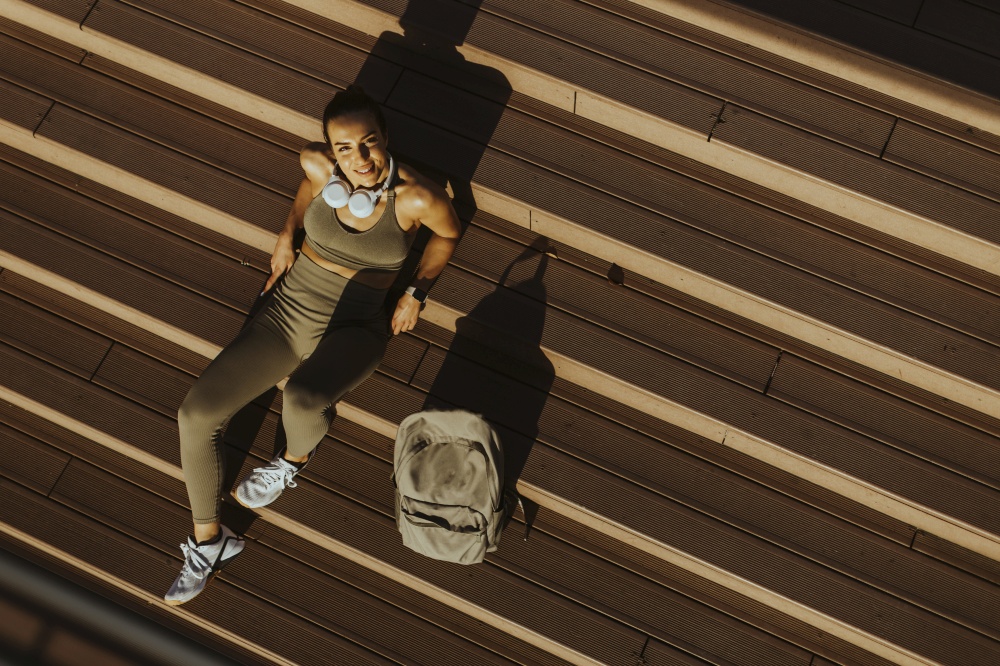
361, 202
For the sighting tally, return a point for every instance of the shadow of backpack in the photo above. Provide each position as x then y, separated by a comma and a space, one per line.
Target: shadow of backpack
448, 474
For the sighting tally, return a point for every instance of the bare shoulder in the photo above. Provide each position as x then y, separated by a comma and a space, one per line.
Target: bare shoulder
421, 201
316, 163
415, 190
417, 194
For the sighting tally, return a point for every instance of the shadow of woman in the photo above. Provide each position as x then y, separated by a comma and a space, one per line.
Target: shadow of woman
442, 109
495, 366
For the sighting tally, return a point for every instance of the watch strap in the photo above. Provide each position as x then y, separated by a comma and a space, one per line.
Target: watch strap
418, 294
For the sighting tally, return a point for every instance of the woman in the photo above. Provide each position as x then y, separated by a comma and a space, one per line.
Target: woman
325, 326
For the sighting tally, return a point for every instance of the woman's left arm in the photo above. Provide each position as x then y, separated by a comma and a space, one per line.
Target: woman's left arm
437, 214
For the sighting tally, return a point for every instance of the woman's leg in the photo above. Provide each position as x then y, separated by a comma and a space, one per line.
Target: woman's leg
344, 358
255, 361
341, 361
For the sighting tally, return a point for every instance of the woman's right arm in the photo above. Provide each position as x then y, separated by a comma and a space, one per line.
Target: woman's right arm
314, 162
284, 250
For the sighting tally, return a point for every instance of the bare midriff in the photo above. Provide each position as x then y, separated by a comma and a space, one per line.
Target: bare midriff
372, 277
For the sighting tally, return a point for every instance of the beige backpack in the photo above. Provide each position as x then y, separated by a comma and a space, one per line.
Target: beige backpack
448, 474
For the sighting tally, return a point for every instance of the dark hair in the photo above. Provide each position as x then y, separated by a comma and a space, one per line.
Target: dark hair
351, 100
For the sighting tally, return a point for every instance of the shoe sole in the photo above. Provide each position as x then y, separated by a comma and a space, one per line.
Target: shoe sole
239, 501
178, 602
245, 505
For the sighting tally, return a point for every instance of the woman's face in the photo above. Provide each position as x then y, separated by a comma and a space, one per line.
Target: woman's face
359, 148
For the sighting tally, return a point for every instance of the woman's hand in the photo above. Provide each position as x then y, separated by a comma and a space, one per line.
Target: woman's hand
311, 158
281, 260
406, 315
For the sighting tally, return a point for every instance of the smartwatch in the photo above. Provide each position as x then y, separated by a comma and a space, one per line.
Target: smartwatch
418, 294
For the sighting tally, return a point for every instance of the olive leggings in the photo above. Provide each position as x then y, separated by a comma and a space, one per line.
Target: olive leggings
327, 332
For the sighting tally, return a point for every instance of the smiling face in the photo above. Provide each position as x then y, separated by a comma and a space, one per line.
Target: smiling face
359, 147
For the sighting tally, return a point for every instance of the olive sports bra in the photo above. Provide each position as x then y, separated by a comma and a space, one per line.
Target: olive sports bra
384, 246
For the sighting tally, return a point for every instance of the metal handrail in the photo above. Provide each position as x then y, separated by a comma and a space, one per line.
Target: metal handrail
103, 619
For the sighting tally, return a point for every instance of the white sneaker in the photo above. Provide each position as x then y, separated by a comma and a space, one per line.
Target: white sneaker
265, 484
201, 563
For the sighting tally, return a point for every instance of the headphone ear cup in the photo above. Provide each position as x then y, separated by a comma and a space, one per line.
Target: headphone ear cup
362, 203
336, 192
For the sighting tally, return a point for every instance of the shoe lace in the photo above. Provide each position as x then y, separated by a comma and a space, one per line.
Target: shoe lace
195, 563
277, 473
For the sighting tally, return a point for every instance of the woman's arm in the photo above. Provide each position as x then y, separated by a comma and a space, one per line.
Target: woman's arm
314, 162
435, 212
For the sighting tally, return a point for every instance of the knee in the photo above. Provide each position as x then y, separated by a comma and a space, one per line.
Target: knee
187, 413
303, 399
197, 412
